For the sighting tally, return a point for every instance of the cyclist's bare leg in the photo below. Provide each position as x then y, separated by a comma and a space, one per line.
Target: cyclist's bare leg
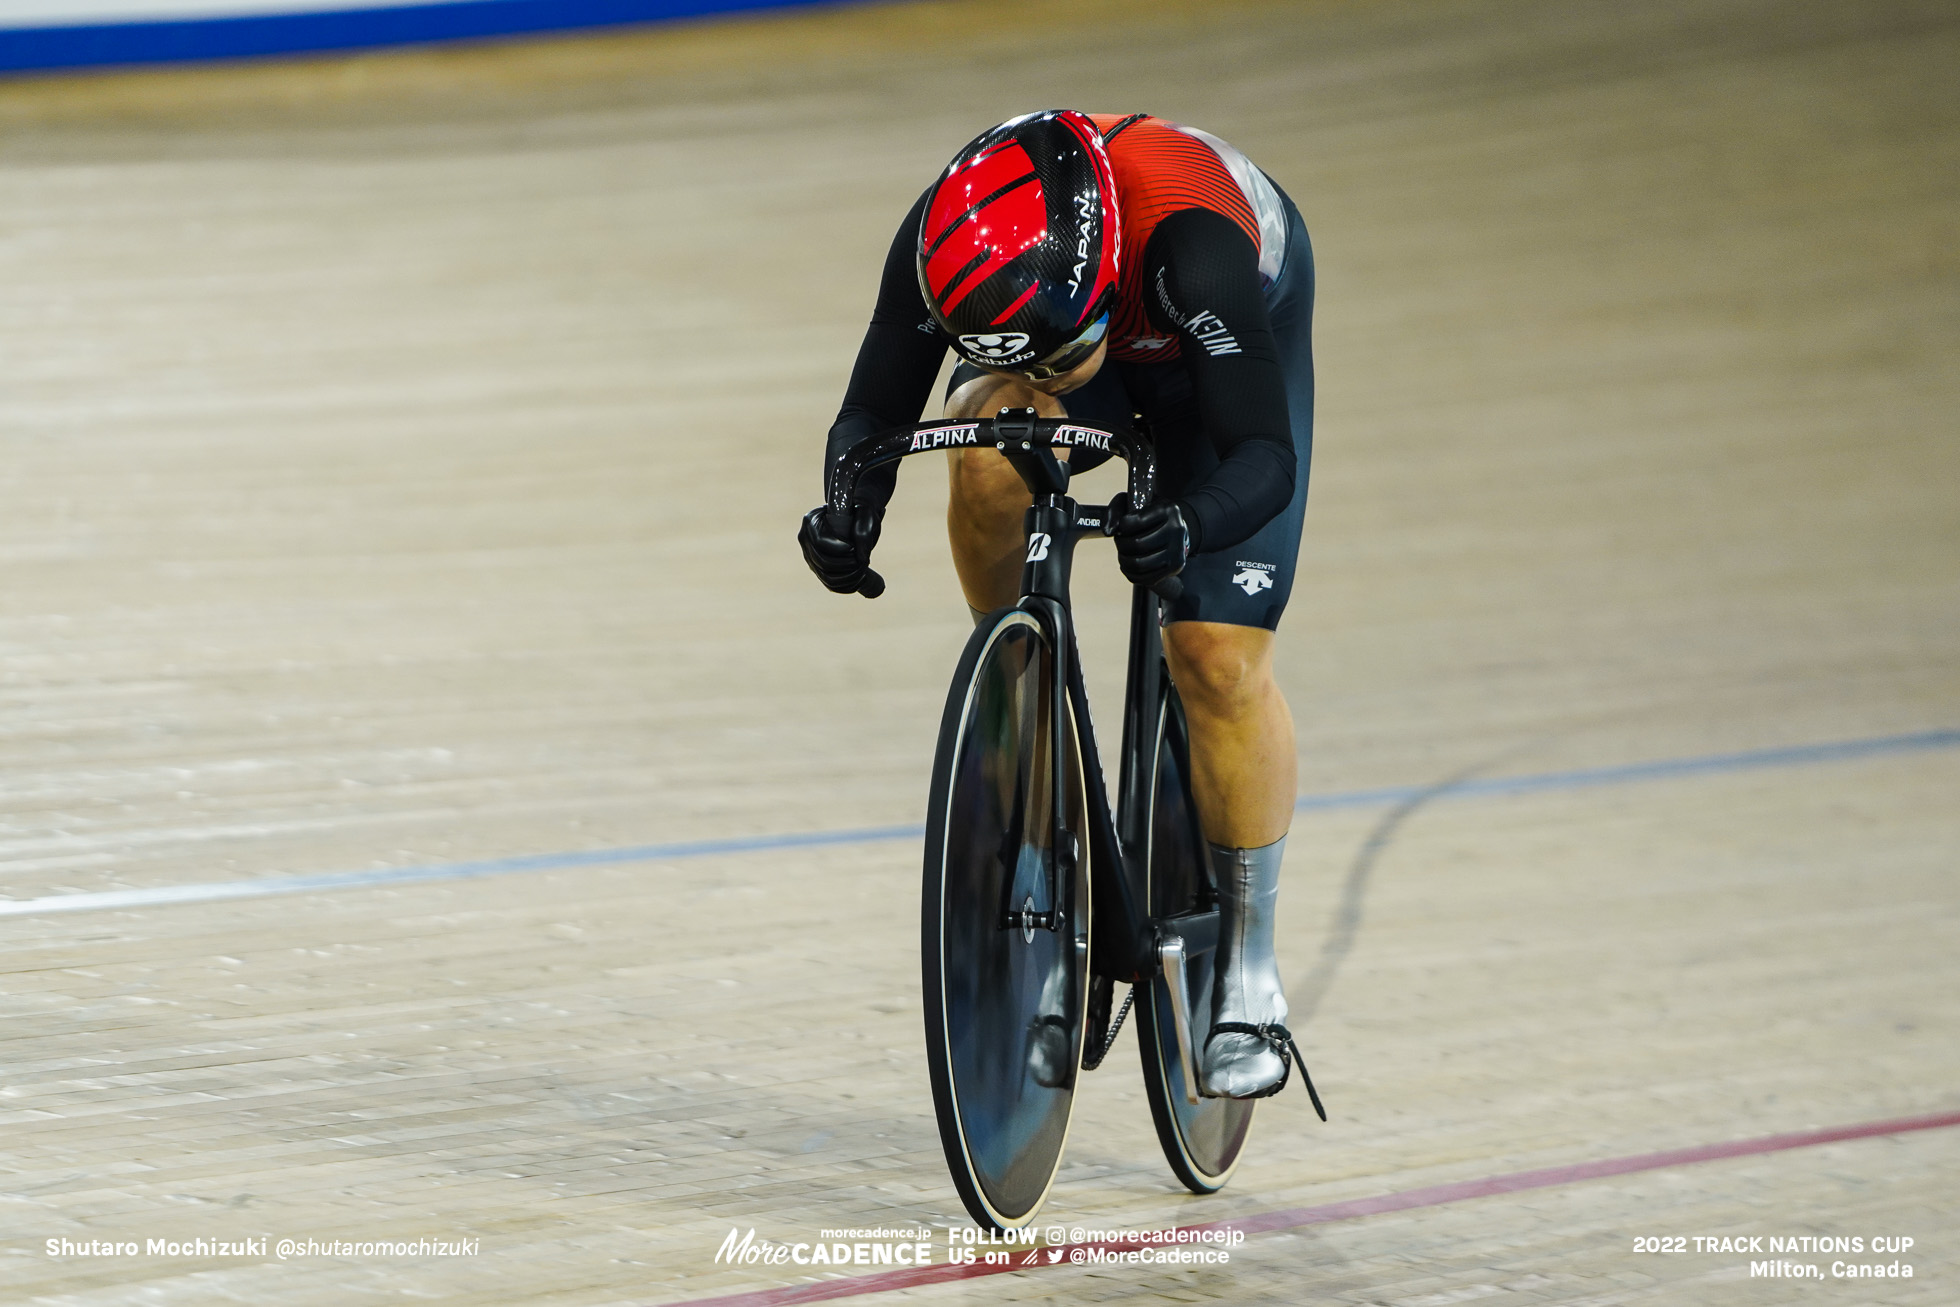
984, 515
1243, 766
1242, 759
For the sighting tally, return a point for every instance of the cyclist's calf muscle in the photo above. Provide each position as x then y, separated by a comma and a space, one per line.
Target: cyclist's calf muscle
1243, 762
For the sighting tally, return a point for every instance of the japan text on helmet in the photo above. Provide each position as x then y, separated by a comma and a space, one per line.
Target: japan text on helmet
1018, 248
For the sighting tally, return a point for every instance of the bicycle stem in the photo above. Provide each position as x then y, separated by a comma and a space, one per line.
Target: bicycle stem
1051, 526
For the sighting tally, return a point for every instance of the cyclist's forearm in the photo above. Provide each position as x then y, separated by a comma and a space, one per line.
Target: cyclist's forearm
1252, 484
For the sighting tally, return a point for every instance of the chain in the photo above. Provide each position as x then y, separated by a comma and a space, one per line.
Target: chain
1109, 1040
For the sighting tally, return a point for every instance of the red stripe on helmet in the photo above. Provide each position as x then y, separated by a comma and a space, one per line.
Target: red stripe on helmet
996, 232
970, 184
1015, 307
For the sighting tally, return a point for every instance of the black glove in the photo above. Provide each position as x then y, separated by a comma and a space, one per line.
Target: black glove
838, 549
1151, 545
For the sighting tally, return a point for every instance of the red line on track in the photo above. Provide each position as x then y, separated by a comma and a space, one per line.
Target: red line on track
1293, 1218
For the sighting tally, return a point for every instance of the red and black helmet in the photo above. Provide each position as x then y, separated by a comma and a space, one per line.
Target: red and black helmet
1018, 248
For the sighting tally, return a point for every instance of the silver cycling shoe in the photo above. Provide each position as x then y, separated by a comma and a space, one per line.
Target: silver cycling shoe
1239, 1063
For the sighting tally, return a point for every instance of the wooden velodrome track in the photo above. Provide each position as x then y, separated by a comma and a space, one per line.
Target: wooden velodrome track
401, 460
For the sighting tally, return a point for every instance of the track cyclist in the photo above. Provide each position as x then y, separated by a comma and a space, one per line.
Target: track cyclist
1097, 266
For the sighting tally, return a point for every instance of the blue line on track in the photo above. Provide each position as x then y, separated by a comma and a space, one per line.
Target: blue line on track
1752, 760
343, 27
1588, 778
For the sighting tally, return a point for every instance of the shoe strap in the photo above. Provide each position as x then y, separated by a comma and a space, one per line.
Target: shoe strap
1280, 1040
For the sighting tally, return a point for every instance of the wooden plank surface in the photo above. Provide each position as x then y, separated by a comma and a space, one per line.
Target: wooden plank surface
401, 460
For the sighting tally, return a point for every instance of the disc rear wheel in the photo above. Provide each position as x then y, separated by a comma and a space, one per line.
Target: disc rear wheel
1005, 930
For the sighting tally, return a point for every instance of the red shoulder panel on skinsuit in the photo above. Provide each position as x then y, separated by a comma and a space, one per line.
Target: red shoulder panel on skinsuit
1160, 170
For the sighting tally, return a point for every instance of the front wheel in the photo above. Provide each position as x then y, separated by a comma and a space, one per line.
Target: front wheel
1202, 1141
1005, 924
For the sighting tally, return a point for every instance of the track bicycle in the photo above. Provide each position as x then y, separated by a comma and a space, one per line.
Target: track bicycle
1037, 898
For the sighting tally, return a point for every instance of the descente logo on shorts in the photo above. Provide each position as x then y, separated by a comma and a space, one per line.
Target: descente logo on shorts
1253, 577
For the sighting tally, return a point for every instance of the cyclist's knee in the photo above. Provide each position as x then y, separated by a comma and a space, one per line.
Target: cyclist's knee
986, 395
1219, 669
986, 484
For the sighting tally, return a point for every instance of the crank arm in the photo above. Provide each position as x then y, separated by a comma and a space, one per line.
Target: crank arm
1171, 953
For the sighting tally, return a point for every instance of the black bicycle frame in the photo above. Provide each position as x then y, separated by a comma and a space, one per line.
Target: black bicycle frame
1126, 943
